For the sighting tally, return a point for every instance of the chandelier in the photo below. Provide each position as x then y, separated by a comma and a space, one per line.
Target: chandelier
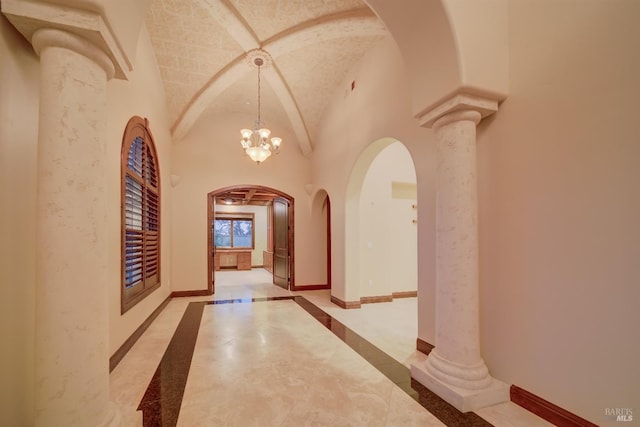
256, 142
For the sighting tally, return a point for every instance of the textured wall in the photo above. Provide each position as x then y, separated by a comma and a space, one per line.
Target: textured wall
19, 81
558, 199
141, 95
355, 127
209, 158
559, 208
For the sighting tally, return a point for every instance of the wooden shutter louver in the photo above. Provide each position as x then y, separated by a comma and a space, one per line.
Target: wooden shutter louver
140, 214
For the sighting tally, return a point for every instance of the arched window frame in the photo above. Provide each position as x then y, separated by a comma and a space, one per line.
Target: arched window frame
140, 207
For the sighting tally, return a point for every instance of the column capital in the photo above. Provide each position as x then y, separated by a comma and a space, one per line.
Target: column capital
88, 30
47, 37
459, 102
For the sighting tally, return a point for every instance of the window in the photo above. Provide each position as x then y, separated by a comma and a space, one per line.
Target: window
140, 214
233, 231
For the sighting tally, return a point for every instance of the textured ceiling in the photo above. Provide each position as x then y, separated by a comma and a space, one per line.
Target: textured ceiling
201, 47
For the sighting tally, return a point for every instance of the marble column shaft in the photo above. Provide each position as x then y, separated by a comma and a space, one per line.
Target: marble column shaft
72, 375
456, 359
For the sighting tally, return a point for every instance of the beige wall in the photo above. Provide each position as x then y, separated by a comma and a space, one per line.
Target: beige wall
449, 46
560, 207
141, 95
259, 228
387, 235
353, 130
19, 82
210, 158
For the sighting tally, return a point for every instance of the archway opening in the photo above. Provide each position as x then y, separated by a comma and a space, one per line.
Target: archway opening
321, 218
381, 225
251, 225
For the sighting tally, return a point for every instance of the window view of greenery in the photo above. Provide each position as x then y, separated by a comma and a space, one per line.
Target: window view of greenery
233, 233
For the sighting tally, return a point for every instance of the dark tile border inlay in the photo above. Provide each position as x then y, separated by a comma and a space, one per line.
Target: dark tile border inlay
161, 402
247, 300
395, 371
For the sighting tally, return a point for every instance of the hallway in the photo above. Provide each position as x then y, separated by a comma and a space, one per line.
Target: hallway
267, 362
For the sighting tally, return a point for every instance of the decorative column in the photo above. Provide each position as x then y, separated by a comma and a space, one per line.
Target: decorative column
72, 376
78, 55
455, 369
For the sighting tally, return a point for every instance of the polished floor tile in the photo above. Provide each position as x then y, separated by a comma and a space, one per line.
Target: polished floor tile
261, 355
275, 365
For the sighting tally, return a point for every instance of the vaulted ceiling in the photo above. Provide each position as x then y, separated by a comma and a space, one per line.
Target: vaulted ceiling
201, 47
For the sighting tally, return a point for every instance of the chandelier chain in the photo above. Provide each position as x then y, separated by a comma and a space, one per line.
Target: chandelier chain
259, 124
256, 143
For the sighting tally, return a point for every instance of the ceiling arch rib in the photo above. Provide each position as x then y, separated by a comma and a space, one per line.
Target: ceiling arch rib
283, 93
230, 19
216, 85
358, 22
353, 23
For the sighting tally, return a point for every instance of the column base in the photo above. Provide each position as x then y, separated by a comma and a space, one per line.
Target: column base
462, 399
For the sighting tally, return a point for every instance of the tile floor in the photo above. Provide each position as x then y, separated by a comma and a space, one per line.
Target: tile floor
271, 363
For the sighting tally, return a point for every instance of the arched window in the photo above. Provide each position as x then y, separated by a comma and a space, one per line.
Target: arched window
140, 214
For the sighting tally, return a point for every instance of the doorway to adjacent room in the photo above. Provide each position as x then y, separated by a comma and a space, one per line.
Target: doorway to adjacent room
251, 226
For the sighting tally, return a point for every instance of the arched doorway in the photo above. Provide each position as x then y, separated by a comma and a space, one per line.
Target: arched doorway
381, 226
278, 248
321, 217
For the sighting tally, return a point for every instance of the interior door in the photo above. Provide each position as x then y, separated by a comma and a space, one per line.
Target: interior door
212, 244
212, 264
281, 264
